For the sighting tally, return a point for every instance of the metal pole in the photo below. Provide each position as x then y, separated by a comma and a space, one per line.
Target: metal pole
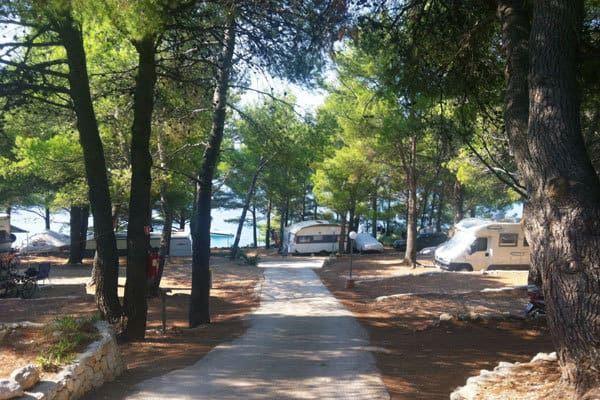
351, 246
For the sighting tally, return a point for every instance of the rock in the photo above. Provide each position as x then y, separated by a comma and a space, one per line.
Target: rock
464, 393
10, 389
550, 357
26, 376
446, 317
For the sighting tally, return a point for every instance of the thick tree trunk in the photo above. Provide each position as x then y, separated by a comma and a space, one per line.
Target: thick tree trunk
562, 212
78, 222
106, 261
199, 300
135, 304
564, 193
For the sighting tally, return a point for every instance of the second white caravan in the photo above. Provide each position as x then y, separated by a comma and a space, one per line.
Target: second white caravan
480, 244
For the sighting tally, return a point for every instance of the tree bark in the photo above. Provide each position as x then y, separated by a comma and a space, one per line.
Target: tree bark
458, 200
165, 238
199, 300
374, 216
78, 222
410, 256
135, 303
106, 261
254, 227
562, 212
245, 207
268, 237
564, 193
47, 218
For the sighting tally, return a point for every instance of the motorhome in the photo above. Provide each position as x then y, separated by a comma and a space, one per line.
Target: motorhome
479, 244
311, 237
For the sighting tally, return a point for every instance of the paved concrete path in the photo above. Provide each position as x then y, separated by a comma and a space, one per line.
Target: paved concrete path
302, 344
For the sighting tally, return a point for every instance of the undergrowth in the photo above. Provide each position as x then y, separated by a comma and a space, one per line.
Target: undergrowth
68, 336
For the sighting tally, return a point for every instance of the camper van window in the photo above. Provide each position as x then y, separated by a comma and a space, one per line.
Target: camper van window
480, 244
509, 239
316, 239
525, 243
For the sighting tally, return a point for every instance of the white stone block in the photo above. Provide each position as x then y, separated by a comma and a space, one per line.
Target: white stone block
9, 389
26, 376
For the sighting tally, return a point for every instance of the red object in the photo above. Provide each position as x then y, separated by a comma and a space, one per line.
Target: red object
152, 265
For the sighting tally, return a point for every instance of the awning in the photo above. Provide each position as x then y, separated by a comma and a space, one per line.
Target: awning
15, 229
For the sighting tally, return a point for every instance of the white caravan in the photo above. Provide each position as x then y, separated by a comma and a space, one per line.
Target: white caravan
311, 237
480, 244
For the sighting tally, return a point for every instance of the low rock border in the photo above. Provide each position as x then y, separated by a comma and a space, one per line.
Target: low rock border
476, 384
100, 362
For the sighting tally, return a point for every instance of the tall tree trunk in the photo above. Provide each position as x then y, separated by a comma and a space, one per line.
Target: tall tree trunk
47, 218
374, 216
410, 256
268, 237
165, 237
78, 222
106, 261
135, 304
458, 201
181, 221
199, 300
515, 19
343, 228
439, 211
246, 205
564, 193
254, 227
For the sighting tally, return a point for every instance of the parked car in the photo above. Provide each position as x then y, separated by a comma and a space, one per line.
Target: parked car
423, 240
366, 243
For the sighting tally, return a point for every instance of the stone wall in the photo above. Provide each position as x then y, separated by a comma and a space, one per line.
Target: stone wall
100, 362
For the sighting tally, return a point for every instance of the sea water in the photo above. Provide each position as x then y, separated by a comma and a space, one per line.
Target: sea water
32, 221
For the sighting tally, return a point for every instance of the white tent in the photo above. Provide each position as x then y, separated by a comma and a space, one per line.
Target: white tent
46, 242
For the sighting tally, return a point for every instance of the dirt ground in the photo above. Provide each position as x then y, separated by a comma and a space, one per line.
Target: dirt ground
423, 359
232, 297
419, 359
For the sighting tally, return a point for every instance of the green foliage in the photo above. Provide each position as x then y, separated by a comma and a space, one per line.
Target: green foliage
69, 335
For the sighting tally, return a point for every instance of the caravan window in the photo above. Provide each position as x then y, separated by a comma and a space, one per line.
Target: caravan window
316, 239
509, 239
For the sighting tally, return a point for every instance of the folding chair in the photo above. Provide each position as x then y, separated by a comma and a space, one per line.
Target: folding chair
43, 273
